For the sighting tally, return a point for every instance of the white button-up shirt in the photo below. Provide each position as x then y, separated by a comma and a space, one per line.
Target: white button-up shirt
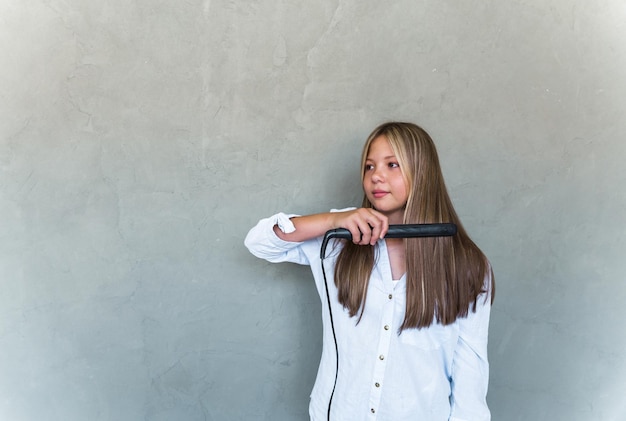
439, 373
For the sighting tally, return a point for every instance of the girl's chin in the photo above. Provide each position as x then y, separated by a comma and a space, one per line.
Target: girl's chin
394, 216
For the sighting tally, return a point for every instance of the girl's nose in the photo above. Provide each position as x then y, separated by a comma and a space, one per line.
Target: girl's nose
377, 175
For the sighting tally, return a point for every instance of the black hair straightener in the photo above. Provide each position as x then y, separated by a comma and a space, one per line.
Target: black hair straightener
394, 231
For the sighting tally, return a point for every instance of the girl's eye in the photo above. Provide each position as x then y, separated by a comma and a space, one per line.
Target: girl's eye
368, 167
394, 165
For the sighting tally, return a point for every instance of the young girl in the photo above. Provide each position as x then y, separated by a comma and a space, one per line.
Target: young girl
405, 337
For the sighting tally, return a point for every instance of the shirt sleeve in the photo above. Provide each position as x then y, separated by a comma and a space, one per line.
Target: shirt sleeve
263, 242
470, 367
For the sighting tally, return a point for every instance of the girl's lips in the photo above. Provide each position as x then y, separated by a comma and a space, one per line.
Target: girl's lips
379, 193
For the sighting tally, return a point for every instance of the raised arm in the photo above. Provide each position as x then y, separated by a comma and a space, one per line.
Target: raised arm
365, 224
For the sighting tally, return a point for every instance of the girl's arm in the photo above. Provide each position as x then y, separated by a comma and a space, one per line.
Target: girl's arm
282, 238
366, 225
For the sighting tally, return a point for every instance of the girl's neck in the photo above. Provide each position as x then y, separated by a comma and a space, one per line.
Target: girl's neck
397, 259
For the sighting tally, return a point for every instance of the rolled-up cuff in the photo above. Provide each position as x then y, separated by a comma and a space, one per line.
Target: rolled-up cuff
284, 222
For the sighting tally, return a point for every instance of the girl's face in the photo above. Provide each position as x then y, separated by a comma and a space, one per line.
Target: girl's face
383, 181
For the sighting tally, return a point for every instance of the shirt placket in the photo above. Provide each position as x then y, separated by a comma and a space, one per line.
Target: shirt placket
380, 364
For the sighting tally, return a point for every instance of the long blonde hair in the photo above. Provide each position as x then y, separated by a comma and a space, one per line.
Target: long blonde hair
444, 275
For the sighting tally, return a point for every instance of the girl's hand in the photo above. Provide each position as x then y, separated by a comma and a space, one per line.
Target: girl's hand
366, 225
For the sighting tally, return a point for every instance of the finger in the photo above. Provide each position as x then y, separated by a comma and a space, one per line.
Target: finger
355, 232
364, 230
376, 233
366, 234
382, 225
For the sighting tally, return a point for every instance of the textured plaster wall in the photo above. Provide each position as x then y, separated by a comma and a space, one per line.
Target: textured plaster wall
139, 141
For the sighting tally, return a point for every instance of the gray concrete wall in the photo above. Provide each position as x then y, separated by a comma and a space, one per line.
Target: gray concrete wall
140, 140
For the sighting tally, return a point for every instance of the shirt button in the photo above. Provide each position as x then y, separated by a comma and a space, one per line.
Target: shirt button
373, 410
390, 296
382, 357
377, 384
386, 327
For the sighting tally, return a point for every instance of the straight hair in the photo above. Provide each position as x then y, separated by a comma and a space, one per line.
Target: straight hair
444, 275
